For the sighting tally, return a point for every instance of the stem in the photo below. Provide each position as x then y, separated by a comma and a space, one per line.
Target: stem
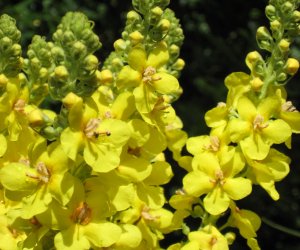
281, 228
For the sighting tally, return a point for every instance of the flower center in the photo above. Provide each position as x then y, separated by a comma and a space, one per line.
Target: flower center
19, 105
43, 174
219, 178
214, 144
91, 129
82, 214
258, 122
148, 75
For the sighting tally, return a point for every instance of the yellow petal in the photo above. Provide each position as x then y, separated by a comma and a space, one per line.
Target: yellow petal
137, 58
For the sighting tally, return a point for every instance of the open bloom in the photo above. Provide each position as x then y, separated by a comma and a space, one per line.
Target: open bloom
255, 128
146, 75
219, 182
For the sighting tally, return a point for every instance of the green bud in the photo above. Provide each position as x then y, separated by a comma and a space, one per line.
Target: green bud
120, 45
287, 8
230, 237
5, 43
35, 63
284, 45
174, 50
136, 37
16, 49
43, 73
133, 16
270, 12
296, 16
164, 24
91, 63
179, 64
58, 54
78, 50
3, 81
281, 77
264, 38
58, 34
61, 72
68, 37
30, 53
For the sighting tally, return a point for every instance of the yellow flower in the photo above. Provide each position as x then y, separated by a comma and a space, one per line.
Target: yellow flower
219, 182
145, 74
256, 129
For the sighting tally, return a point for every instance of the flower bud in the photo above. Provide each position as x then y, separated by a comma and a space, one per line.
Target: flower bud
264, 38
270, 12
106, 76
136, 37
275, 25
291, 66
35, 118
61, 72
164, 24
70, 99
91, 63
43, 73
179, 64
256, 83
174, 50
281, 77
230, 237
296, 16
120, 45
287, 8
252, 58
133, 16
5, 43
68, 37
284, 45
16, 49
78, 50
58, 54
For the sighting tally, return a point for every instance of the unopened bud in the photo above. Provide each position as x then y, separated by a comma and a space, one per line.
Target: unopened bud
61, 72
264, 38
43, 73
35, 118
252, 58
287, 8
281, 77
296, 16
120, 45
179, 64
133, 16
230, 237
136, 37
275, 25
70, 99
157, 11
91, 63
164, 24
270, 12
106, 76
256, 83
292, 66
284, 45
78, 49
174, 50
17, 49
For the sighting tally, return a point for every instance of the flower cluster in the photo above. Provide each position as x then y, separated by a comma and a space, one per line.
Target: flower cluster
239, 152
89, 173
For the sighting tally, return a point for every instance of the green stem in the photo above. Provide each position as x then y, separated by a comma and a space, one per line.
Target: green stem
281, 228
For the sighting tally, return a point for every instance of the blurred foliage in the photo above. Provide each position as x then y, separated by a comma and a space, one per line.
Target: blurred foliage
218, 34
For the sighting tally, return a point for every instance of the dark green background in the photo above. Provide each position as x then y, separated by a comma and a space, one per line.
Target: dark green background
218, 34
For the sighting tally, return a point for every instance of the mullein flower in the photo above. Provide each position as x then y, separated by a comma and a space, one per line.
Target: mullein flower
218, 181
100, 140
39, 180
145, 74
256, 129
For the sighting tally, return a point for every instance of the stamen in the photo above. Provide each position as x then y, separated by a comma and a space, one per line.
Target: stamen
258, 122
19, 106
82, 214
91, 126
148, 75
289, 107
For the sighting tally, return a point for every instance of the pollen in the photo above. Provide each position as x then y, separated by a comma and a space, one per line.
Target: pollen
82, 214
19, 106
258, 122
148, 75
